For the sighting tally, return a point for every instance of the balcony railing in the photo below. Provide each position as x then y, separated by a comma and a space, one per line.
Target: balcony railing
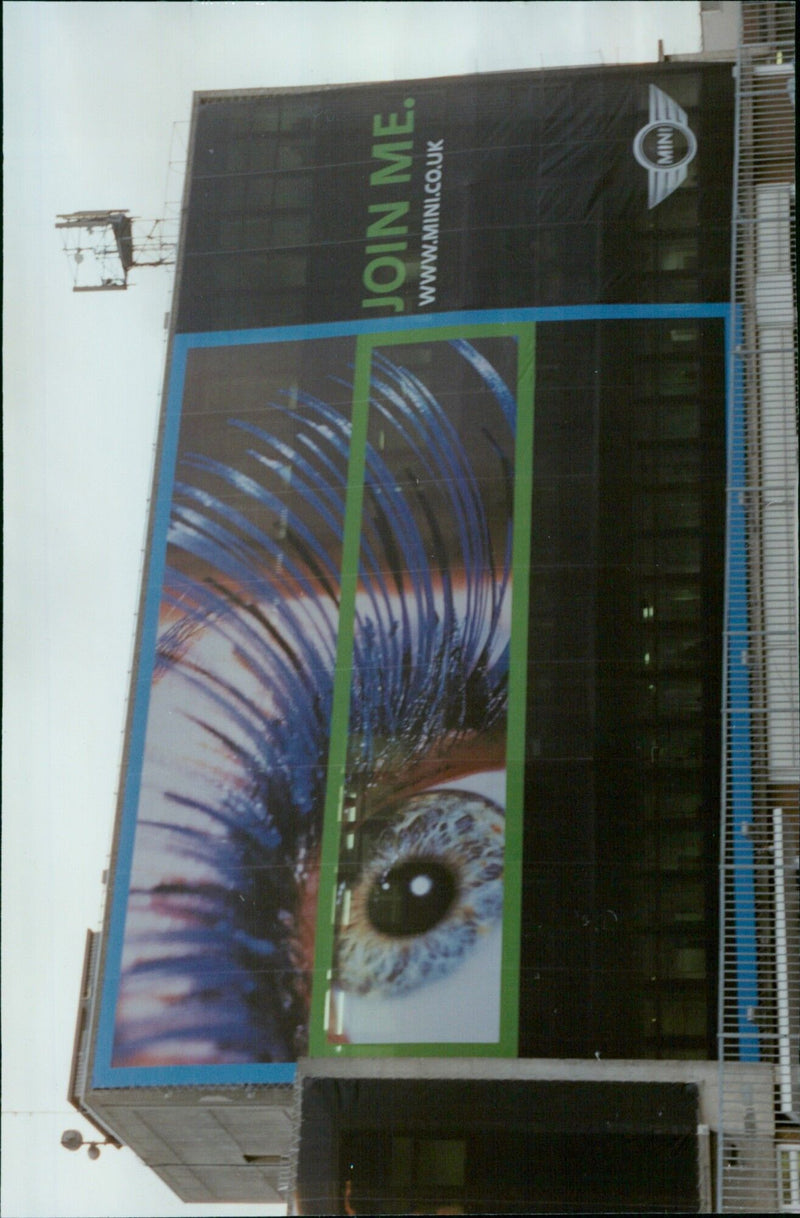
759, 1027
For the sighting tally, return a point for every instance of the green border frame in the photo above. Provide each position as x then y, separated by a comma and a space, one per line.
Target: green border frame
506, 1046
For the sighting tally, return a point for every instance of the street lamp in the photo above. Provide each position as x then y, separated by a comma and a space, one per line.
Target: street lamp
71, 1139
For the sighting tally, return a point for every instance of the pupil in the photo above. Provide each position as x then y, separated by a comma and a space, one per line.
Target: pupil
411, 897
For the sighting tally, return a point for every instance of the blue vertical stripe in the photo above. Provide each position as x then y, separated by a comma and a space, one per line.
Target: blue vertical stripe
739, 736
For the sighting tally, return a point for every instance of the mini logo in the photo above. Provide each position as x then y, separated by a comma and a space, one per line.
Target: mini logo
664, 147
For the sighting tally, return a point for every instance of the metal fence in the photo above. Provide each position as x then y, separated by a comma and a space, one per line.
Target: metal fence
758, 1165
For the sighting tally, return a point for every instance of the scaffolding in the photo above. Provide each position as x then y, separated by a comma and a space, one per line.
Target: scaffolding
758, 1151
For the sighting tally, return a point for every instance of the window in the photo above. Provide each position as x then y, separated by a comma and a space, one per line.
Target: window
678, 602
293, 190
682, 962
680, 420
675, 377
291, 229
683, 1016
679, 746
679, 254
677, 805
680, 695
666, 419
668, 554
675, 463
299, 113
789, 1176
667, 511
427, 1164
264, 117
677, 649
403, 1173
295, 154
683, 904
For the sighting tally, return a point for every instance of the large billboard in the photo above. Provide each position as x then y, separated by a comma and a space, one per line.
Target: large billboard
423, 742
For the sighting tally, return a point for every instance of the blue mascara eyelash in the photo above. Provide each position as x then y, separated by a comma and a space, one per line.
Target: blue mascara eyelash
428, 663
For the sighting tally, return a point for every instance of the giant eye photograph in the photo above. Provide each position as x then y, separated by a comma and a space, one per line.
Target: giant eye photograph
274, 660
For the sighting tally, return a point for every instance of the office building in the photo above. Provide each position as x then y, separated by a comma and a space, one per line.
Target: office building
466, 661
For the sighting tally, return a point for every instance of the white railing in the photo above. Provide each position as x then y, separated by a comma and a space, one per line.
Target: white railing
759, 1028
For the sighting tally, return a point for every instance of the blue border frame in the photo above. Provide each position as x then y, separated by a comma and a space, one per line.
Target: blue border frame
739, 716
103, 1074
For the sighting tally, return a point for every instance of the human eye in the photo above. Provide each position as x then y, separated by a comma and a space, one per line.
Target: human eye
419, 919
432, 884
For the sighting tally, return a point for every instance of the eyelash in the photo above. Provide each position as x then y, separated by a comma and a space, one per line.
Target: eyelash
443, 670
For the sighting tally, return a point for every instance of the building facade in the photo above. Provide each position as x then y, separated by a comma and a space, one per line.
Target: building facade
426, 746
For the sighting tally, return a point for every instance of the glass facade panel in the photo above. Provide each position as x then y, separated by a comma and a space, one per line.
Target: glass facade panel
293, 190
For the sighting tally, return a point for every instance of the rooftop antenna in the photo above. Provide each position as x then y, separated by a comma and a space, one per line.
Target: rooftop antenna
102, 247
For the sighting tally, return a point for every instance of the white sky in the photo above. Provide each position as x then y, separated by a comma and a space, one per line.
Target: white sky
91, 94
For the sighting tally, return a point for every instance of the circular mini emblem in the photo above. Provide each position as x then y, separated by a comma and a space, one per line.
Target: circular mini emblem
664, 145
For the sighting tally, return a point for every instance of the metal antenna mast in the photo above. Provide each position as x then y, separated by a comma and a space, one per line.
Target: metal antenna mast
102, 247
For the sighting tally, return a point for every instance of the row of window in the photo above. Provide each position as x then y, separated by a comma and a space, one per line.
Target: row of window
280, 229
288, 288
527, 93
670, 1018
658, 918
471, 111
273, 213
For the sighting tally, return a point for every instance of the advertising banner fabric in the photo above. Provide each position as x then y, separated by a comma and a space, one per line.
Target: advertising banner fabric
423, 746
335, 629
